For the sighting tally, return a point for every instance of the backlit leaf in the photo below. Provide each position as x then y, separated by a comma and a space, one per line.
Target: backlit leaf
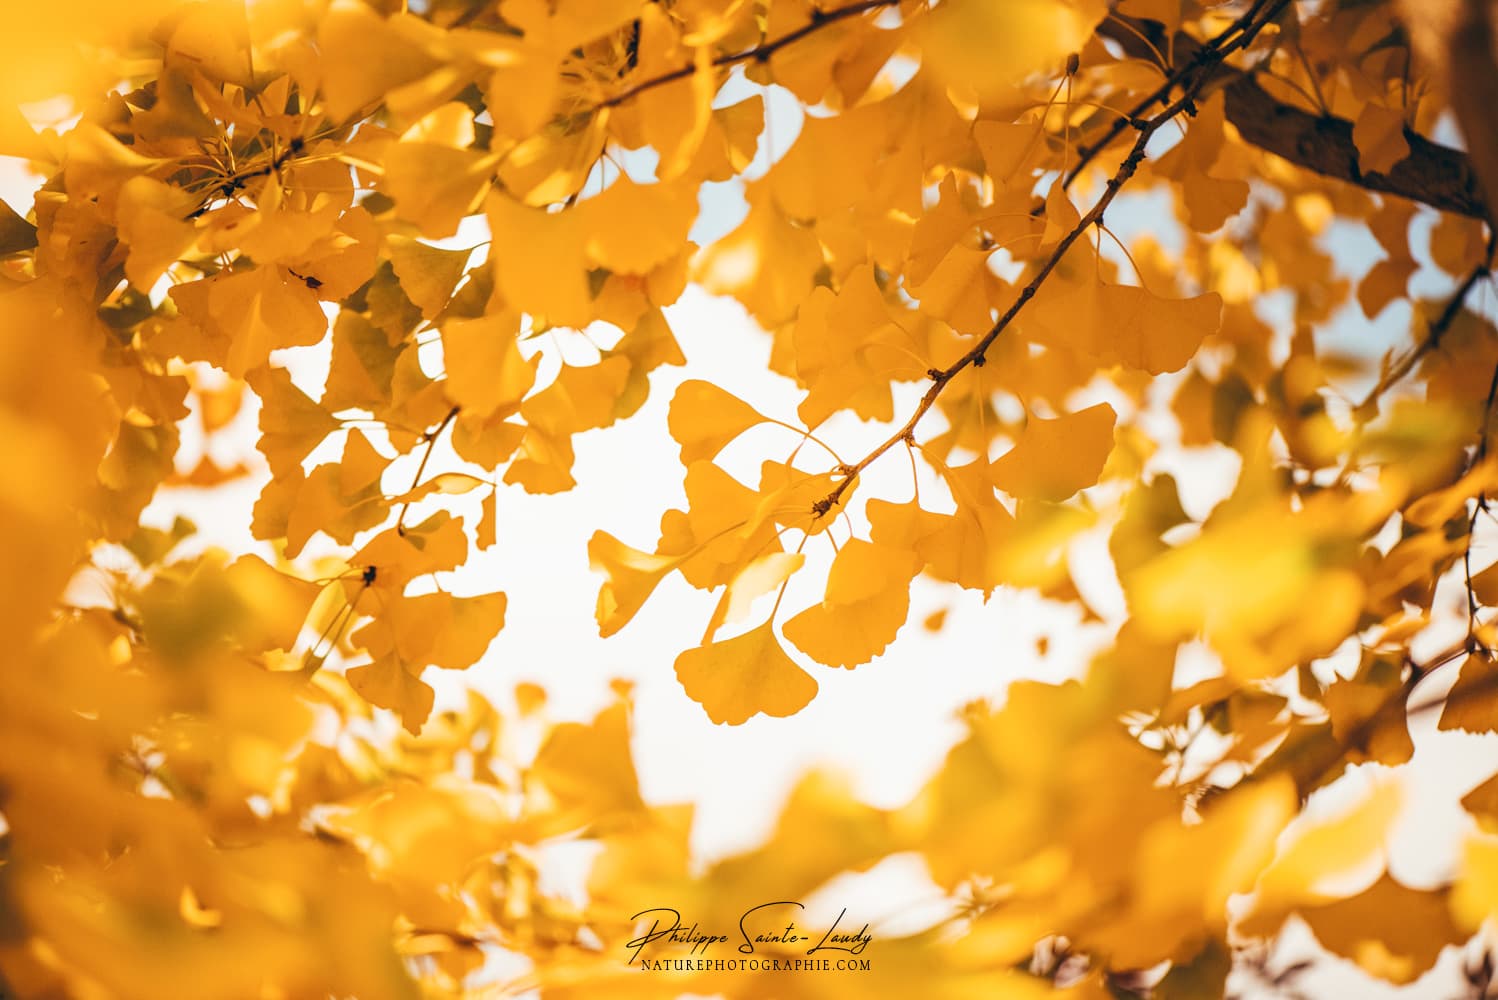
739, 678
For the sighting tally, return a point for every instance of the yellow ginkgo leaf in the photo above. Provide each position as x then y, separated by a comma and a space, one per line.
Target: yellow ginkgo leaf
1243, 583
435, 629
398, 555
446, 483
1061, 217
1119, 324
1182, 875
544, 462
964, 547
582, 397
523, 89
427, 274
631, 228
848, 348
320, 502
738, 678
485, 373
469, 625
806, 69
938, 230
648, 344
486, 533
424, 836
989, 47
291, 424
767, 263
1482, 803
1368, 715
1329, 850
276, 603
389, 684
1439, 506
710, 535
1010, 149
1474, 898
552, 164
1209, 200
1186, 873
16, 234
98, 164
1394, 932
703, 418
796, 499
436, 186
1055, 458
755, 580
1485, 586
540, 261
260, 310
402, 629
342, 260
674, 117
362, 466
1472, 703
956, 291
362, 366
588, 768
867, 601
486, 441
151, 220
631, 577
366, 56
737, 127
834, 159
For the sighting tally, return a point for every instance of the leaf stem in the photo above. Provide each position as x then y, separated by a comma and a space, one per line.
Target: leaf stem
431, 440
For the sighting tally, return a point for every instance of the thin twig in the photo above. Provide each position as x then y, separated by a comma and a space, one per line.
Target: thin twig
431, 440
1209, 55
1443, 322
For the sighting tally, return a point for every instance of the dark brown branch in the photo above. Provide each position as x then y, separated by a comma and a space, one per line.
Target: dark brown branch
1431, 174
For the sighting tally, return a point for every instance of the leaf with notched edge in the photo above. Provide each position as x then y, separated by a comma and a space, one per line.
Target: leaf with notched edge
739, 678
868, 598
389, 684
704, 418
1472, 703
1053, 459
631, 577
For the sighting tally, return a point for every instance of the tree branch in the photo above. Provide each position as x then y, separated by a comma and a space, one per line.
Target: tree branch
1431, 174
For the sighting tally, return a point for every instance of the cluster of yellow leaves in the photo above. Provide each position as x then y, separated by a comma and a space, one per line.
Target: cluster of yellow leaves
198, 797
